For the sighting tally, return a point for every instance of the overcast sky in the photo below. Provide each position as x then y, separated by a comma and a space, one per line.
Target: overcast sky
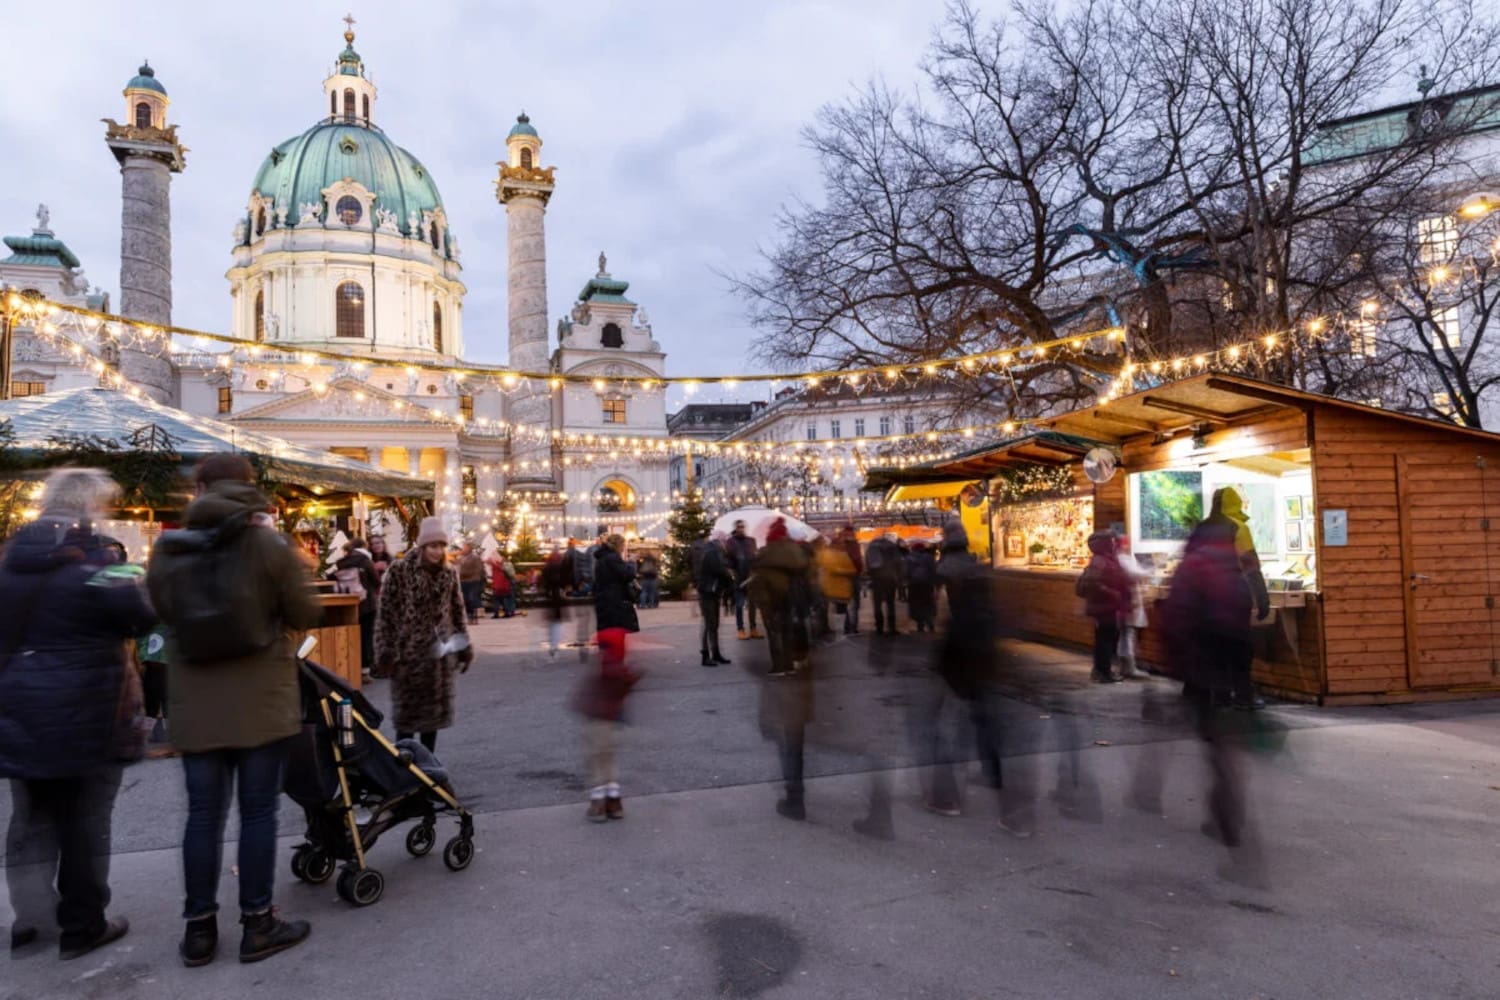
674, 127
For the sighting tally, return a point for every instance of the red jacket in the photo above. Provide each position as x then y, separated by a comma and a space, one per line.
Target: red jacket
602, 695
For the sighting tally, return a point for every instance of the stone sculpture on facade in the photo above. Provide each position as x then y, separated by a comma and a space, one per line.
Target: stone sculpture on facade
310, 210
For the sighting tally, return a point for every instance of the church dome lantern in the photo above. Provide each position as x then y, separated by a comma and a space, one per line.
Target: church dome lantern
338, 217
145, 100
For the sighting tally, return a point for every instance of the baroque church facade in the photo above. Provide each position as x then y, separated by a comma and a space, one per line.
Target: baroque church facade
343, 245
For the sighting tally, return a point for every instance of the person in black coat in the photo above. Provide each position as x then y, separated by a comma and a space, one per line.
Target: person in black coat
63, 733
356, 574
712, 578
613, 605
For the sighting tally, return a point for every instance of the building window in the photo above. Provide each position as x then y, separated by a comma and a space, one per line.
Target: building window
260, 315
466, 407
349, 210
432, 389
437, 327
142, 115
859, 427
365, 105
470, 485
834, 430
349, 309
908, 424
812, 430
260, 221
262, 384
437, 242
614, 411
612, 337
349, 103
21, 389
1447, 332
333, 103
526, 159
226, 399
885, 426
1437, 239
1443, 403
1362, 337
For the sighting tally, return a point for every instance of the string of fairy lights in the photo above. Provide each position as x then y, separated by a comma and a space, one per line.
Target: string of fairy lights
94, 339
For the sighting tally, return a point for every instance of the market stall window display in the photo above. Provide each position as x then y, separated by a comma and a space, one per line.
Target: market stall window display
1046, 533
1164, 505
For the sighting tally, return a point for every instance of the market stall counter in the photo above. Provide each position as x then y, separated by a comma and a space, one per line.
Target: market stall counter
1371, 529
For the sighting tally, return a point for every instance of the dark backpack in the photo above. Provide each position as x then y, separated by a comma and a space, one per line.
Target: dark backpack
875, 557
208, 623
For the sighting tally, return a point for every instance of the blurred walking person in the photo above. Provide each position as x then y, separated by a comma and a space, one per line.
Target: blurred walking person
779, 584
502, 586
555, 577
921, 587
849, 541
602, 699
64, 678
1106, 599
742, 550
836, 576
1227, 512
649, 571
1207, 618
471, 580
711, 578
422, 636
1135, 619
883, 564
229, 591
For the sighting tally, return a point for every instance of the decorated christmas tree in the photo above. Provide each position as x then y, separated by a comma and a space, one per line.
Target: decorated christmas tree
687, 523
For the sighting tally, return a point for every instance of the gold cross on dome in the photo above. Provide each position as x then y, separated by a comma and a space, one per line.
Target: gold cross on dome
349, 23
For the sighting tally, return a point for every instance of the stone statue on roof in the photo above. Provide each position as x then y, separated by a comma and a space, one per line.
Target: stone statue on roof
602, 269
44, 219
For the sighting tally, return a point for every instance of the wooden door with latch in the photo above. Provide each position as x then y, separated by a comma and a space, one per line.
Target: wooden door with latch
1449, 559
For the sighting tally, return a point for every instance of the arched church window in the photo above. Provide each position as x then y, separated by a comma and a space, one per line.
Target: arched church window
365, 105
437, 242
333, 102
437, 327
526, 158
349, 103
260, 221
350, 210
142, 115
260, 315
612, 337
609, 500
349, 310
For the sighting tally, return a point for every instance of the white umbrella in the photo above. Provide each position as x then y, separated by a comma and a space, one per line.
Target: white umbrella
758, 521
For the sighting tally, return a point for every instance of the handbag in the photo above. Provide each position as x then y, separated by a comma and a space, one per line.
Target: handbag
128, 741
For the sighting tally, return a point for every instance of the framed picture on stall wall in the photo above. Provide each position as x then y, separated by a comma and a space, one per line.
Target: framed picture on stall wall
1307, 506
1294, 508
1015, 546
1294, 536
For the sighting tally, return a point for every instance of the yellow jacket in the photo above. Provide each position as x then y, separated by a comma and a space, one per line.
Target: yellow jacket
836, 573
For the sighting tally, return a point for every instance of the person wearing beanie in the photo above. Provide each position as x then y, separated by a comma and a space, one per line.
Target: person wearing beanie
421, 635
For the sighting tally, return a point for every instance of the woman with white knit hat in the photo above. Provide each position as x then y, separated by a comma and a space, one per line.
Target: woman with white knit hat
421, 635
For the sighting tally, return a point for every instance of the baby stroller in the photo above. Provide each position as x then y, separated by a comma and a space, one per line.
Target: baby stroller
341, 763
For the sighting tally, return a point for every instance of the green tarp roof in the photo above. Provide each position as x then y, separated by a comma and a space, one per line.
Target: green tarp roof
112, 415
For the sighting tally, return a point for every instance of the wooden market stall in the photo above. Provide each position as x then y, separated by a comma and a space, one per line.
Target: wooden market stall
1373, 529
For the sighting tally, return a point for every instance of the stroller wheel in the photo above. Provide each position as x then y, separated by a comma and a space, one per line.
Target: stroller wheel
362, 888
458, 853
419, 839
310, 864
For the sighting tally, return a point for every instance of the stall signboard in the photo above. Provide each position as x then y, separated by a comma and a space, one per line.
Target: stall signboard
1335, 527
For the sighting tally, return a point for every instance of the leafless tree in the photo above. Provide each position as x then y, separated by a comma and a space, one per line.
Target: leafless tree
1151, 161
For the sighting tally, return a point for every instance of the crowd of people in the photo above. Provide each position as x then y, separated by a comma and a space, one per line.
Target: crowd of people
222, 595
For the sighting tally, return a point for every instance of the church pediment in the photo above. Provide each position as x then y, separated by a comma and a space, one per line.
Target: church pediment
343, 400
611, 368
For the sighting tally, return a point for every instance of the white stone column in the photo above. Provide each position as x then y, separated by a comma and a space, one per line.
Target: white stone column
530, 406
146, 269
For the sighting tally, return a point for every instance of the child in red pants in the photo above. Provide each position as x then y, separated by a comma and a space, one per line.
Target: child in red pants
601, 701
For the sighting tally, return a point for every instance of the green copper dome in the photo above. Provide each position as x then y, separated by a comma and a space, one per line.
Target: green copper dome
299, 169
145, 79
521, 127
